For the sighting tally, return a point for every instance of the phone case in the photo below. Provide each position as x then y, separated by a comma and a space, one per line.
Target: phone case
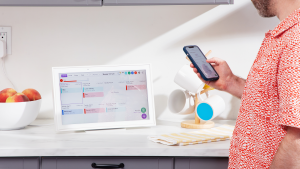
196, 66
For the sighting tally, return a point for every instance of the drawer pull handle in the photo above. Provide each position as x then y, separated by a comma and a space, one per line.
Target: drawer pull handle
94, 165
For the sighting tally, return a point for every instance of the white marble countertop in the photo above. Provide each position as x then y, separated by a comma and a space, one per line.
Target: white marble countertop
44, 141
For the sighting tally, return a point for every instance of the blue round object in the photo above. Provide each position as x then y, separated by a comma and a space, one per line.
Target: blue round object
204, 111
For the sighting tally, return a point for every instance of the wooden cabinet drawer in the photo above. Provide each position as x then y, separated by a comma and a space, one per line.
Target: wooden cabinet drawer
163, 2
50, 2
202, 163
86, 162
19, 163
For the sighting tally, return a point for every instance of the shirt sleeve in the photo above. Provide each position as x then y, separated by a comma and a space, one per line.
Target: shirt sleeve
289, 86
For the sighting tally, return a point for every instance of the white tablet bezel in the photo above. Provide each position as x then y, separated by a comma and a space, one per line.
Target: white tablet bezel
107, 125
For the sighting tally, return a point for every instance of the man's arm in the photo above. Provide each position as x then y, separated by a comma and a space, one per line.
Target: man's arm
227, 82
288, 153
236, 86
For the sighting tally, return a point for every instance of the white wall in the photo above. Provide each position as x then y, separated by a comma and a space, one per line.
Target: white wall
45, 37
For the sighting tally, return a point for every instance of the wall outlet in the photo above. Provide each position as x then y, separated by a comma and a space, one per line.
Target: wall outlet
5, 35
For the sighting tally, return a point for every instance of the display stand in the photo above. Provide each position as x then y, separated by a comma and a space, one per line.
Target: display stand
102, 130
197, 123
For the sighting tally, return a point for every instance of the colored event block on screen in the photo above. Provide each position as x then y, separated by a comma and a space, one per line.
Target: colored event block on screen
73, 111
136, 87
70, 90
71, 81
95, 94
93, 89
98, 110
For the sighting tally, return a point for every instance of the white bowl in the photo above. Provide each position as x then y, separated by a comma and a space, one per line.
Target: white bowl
18, 115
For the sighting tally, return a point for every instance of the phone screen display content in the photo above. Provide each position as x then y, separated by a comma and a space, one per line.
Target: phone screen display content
97, 97
200, 60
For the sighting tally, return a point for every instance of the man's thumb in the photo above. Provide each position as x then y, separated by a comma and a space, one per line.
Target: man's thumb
214, 60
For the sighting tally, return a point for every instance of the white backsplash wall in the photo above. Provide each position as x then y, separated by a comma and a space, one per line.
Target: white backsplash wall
45, 37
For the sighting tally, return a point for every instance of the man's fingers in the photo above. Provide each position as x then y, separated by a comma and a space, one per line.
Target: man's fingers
200, 77
214, 60
195, 70
198, 74
192, 66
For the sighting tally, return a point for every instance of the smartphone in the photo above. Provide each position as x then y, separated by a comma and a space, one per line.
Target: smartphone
196, 56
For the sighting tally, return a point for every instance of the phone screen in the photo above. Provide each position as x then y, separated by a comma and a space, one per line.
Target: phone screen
200, 60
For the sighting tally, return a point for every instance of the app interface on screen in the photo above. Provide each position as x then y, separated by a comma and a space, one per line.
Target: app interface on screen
97, 97
200, 60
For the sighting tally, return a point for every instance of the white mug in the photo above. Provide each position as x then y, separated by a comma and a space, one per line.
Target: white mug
209, 108
181, 102
187, 79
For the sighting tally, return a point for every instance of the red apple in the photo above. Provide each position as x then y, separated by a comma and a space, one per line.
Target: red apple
19, 97
4, 94
32, 94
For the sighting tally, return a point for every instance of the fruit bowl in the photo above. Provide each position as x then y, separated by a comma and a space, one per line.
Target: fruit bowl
17, 115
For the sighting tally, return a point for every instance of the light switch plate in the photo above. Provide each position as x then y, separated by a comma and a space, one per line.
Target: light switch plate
6, 31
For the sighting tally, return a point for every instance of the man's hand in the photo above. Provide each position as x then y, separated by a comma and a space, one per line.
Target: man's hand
288, 153
227, 80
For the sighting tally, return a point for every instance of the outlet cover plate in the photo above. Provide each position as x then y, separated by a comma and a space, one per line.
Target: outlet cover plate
7, 31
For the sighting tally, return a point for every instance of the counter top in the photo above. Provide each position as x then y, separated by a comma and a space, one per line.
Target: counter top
40, 139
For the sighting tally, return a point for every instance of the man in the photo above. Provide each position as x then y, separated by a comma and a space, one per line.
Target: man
267, 131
